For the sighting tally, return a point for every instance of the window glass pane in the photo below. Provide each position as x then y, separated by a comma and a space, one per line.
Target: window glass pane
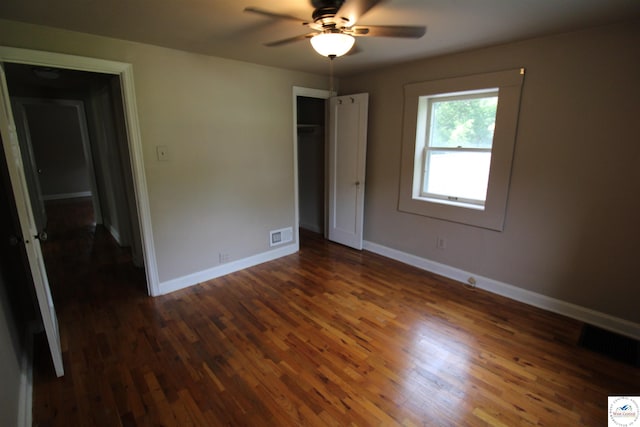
457, 174
466, 122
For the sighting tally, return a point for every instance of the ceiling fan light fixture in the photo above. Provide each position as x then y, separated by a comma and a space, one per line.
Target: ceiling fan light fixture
332, 44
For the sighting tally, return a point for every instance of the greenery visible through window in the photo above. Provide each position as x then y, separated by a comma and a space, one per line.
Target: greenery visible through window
457, 139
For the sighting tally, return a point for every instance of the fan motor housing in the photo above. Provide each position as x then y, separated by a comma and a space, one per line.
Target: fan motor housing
325, 11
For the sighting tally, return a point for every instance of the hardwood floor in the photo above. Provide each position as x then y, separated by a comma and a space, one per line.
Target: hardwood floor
327, 336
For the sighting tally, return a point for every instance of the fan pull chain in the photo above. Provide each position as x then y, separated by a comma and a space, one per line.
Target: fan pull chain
331, 58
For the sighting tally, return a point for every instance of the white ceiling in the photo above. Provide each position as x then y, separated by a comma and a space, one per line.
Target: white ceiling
221, 28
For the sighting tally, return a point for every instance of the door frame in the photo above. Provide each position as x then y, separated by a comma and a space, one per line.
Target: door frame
309, 93
125, 73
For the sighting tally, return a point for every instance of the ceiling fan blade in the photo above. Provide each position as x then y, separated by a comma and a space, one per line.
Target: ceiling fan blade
352, 10
405, 31
290, 40
274, 14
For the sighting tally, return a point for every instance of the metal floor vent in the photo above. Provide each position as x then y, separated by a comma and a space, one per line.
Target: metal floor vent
615, 346
278, 237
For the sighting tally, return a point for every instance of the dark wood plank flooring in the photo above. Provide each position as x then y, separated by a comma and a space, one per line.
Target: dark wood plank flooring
325, 337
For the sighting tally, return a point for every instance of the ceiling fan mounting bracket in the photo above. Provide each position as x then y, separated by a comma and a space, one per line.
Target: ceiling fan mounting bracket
326, 16
317, 4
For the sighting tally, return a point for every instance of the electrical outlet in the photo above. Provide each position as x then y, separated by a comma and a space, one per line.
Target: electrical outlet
441, 243
223, 257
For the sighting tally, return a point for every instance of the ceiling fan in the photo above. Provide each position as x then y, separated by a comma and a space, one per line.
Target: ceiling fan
333, 24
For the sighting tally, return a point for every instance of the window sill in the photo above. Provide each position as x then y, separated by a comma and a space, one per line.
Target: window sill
450, 203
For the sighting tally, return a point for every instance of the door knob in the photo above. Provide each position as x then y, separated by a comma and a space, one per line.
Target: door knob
14, 240
42, 236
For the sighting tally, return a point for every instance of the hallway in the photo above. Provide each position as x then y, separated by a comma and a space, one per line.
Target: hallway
83, 259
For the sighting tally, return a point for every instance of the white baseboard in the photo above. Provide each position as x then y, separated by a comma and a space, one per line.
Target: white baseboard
224, 269
62, 196
114, 233
587, 315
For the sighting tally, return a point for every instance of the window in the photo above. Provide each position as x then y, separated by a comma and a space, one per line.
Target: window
458, 145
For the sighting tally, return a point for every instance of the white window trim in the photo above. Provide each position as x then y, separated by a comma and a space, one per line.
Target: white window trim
509, 84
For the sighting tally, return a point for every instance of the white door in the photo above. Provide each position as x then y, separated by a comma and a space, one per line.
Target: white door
27, 224
347, 161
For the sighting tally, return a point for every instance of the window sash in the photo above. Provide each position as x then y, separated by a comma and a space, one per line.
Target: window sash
428, 148
454, 196
449, 97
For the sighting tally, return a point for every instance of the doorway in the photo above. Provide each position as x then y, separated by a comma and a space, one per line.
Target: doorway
75, 153
311, 163
129, 129
344, 164
310, 148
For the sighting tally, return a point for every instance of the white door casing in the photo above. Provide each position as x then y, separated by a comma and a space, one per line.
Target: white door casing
310, 93
28, 225
347, 162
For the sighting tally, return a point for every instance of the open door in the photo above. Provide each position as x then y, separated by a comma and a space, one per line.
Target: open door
347, 162
30, 233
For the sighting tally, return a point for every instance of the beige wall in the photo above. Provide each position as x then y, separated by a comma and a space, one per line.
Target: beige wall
572, 228
228, 128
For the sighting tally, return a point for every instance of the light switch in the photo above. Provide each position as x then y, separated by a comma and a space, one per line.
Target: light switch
163, 153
